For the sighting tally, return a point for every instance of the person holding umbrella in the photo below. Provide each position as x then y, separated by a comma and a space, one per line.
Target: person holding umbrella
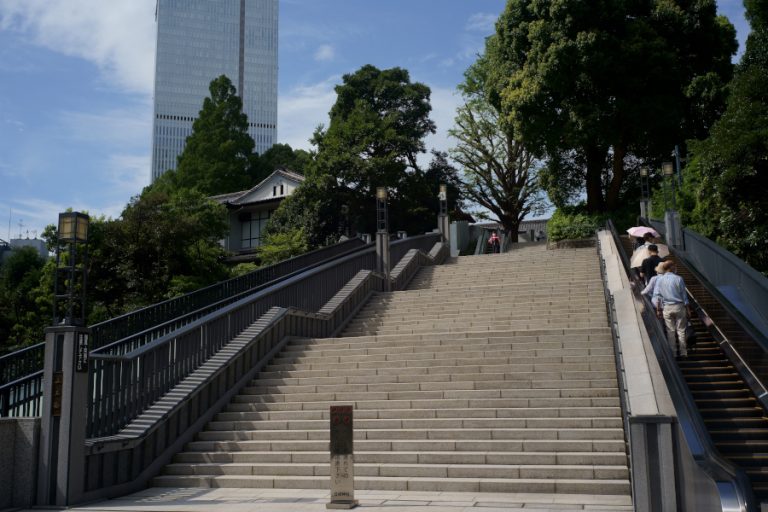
672, 305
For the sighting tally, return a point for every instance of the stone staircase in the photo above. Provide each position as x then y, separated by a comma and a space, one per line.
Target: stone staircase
489, 374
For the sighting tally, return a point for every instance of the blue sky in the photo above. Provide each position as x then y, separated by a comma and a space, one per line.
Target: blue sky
76, 79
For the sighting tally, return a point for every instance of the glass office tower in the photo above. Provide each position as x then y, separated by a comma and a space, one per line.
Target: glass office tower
198, 40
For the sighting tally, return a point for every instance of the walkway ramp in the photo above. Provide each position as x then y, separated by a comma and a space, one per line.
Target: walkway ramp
489, 374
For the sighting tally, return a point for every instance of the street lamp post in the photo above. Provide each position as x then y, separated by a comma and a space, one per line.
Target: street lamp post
672, 223
443, 223
65, 371
382, 236
645, 193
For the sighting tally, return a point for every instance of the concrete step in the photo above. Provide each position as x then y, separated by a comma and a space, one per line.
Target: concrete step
456, 386
406, 470
591, 486
406, 457
465, 434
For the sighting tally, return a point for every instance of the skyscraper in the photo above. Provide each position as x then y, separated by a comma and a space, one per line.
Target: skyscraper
199, 40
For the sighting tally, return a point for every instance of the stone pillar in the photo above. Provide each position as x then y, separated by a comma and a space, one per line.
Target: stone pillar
64, 416
644, 209
653, 463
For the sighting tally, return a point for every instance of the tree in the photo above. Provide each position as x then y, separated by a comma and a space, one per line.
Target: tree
729, 169
376, 133
592, 84
217, 157
281, 246
20, 319
499, 170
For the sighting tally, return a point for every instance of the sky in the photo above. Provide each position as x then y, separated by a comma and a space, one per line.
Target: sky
76, 80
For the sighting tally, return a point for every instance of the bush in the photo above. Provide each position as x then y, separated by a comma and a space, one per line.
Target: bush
571, 225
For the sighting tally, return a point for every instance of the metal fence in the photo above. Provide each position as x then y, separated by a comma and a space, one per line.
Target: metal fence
126, 378
21, 380
21, 372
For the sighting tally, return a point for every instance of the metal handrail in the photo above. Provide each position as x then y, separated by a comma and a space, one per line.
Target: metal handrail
125, 383
136, 321
692, 424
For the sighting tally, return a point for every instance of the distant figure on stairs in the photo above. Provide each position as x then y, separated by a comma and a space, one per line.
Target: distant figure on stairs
495, 243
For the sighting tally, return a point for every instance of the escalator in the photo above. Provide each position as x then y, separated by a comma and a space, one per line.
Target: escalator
736, 421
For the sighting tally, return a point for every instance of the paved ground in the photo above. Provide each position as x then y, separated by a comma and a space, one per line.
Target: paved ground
287, 500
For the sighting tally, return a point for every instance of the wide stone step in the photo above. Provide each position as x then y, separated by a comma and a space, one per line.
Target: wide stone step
477, 344
502, 311
475, 434
611, 487
391, 383
461, 338
265, 397
415, 330
241, 421
418, 353
403, 364
505, 445
313, 420
485, 321
412, 457
407, 470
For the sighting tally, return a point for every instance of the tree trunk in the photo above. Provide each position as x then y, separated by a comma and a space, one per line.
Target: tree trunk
595, 159
614, 189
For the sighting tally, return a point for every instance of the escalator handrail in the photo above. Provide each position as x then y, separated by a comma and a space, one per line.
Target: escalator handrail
691, 422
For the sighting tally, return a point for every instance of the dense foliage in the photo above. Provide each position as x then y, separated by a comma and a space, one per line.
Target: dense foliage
218, 156
602, 87
727, 177
376, 133
572, 224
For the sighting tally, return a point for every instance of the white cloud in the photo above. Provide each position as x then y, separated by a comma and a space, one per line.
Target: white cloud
302, 108
481, 22
444, 102
118, 37
325, 53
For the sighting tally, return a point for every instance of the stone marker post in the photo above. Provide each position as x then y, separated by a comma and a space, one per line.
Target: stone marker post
65, 410
342, 458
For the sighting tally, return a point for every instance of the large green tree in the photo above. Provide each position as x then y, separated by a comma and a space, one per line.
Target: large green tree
20, 317
279, 156
592, 85
729, 169
375, 136
218, 156
499, 172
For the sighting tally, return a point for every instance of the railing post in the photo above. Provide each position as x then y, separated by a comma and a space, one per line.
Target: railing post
61, 477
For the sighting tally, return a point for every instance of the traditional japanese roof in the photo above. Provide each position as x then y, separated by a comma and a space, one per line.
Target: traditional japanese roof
246, 197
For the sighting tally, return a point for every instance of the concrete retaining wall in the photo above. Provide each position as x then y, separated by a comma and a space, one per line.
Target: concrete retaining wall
19, 443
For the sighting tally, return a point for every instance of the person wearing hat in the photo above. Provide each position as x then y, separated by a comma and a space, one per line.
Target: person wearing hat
672, 305
647, 268
648, 290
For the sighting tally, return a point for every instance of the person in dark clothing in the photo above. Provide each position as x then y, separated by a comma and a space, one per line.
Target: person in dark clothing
648, 267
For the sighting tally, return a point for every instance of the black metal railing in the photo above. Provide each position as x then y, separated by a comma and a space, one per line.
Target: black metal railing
143, 319
126, 378
21, 374
21, 371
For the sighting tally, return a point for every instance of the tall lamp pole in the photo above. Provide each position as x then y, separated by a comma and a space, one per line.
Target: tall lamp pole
65, 372
382, 236
672, 223
443, 224
645, 193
